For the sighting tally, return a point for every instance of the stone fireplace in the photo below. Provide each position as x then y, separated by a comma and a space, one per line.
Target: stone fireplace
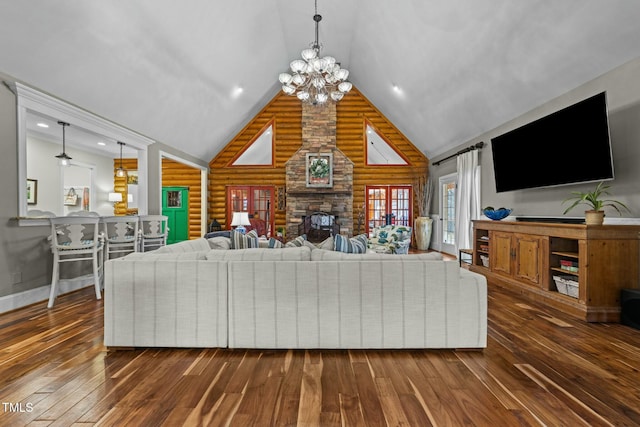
319, 137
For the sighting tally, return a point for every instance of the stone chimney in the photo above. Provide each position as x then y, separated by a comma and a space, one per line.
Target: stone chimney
319, 137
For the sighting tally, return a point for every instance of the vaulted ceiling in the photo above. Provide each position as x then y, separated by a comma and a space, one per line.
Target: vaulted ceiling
171, 70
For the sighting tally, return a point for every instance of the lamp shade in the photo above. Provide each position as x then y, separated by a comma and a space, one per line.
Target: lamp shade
115, 197
240, 218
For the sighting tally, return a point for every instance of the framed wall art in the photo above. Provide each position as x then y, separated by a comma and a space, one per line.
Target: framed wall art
32, 191
319, 170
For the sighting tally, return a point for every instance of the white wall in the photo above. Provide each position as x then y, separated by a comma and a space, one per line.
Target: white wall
42, 166
623, 97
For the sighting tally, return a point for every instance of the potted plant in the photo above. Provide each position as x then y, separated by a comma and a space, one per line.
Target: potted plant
595, 200
423, 225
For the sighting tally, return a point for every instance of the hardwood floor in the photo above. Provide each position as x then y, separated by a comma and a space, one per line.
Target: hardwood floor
540, 368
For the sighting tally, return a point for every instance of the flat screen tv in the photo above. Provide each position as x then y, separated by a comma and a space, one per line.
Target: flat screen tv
566, 147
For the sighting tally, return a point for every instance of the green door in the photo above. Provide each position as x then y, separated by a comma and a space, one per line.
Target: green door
175, 205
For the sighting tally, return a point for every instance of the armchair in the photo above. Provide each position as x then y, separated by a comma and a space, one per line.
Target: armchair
390, 239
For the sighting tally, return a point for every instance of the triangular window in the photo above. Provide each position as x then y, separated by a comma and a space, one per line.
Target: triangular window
379, 149
259, 151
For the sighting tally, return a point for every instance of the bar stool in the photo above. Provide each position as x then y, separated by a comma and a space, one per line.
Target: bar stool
76, 239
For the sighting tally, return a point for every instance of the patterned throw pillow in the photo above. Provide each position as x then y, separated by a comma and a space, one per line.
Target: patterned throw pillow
244, 241
298, 241
274, 243
354, 245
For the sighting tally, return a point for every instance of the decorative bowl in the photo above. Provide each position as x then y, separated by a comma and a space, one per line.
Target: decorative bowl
496, 214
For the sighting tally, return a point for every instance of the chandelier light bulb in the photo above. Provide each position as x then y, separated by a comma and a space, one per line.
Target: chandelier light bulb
298, 65
298, 79
345, 87
308, 54
285, 78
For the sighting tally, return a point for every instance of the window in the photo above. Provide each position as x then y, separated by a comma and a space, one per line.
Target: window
174, 199
259, 151
379, 150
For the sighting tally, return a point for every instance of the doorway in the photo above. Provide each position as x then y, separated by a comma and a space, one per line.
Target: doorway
388, 204
175, 205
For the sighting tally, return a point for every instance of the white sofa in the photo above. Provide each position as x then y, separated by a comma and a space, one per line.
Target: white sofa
189, 295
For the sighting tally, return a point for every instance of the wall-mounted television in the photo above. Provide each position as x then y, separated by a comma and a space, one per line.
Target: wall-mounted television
569, 146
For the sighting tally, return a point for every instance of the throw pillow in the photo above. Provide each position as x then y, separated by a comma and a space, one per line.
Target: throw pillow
309, 245
354, 245
244, 241
274, 243
326, 244
298, 241
220, 242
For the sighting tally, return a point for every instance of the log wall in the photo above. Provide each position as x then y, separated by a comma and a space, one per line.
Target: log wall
286, 111
174, 174
120, 186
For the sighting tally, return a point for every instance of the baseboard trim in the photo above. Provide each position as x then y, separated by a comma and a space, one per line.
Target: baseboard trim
41, 294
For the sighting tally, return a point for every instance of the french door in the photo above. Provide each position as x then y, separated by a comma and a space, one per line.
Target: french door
448, 212
257, 200
391, 204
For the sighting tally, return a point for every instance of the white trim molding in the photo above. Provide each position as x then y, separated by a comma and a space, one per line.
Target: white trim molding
41, 294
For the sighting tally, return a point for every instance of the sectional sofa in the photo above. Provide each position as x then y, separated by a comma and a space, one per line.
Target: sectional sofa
191, 295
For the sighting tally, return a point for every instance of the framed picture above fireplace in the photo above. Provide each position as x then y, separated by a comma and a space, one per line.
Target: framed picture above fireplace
320, 170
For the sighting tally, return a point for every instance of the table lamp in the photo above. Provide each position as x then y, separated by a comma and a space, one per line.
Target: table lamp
239, 220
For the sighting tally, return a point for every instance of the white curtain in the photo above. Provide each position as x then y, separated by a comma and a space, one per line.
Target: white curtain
467, 198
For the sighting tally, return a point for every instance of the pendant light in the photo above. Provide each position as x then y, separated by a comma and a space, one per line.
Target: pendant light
120, 172
63, 158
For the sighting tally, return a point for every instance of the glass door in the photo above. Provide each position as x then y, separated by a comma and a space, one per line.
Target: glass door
257, 201
388, 204
448, 212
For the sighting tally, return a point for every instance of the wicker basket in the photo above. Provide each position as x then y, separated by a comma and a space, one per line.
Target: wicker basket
485, 260
566, 285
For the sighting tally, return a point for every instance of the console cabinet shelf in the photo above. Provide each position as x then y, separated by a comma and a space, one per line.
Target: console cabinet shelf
525, 256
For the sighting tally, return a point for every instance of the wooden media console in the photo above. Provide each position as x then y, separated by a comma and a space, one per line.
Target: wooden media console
525, 256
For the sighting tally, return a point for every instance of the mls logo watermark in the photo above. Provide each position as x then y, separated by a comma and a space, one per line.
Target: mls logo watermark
17, 407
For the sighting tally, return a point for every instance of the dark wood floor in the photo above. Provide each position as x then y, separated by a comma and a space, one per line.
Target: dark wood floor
540, 368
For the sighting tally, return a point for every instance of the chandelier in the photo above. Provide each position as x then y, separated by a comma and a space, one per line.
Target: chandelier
314, 79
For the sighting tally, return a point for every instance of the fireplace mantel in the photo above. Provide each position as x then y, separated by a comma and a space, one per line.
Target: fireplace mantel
311, 191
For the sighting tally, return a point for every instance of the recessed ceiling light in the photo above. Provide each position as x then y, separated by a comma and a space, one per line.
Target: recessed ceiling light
101, 143
43, 125
237, 91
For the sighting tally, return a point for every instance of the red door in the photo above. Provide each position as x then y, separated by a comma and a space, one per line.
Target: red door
257, 200
392, 202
